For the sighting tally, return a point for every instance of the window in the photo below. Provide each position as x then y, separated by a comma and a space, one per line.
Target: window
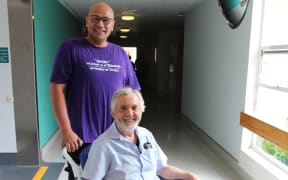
271, 88
271, 102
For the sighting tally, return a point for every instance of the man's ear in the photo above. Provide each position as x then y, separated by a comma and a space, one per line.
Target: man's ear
112, 113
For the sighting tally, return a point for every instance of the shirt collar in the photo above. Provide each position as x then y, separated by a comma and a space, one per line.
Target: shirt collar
113, 132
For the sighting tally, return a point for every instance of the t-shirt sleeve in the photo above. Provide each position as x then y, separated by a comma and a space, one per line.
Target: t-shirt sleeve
63, 64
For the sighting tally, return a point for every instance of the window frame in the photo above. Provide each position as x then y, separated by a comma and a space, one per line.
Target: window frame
257, 51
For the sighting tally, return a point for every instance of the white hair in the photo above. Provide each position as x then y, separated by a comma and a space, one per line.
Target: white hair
126, 91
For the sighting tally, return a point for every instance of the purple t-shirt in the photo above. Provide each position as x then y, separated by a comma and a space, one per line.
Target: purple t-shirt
91, 75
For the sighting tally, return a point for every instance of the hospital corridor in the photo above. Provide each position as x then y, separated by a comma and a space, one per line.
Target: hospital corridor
215, 86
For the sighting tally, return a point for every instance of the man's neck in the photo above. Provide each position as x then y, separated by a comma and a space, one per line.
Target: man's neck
102, 43
131, 136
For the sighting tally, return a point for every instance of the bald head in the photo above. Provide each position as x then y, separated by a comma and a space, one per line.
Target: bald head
99, 24
101, 7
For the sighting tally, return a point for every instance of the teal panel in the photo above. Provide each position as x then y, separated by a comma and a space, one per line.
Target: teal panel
230, 4
52, 24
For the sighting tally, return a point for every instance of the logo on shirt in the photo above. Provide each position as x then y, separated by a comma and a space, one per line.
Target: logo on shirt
103, 65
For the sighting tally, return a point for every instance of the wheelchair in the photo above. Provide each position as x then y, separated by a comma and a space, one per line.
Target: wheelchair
76, 168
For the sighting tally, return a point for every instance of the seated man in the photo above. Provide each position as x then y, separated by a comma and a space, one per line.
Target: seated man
126, 150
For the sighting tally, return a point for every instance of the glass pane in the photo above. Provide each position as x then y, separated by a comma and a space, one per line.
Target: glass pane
274, 152
274, 70
275, 26
272, 106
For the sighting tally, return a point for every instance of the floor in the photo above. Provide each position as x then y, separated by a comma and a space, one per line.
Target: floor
181, 143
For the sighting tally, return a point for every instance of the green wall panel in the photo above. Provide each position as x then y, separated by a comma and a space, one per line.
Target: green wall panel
52, 24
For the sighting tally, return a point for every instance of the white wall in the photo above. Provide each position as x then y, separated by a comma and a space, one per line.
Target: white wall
214, 74
7, 120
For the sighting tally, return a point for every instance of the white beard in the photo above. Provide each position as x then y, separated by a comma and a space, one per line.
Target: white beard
125, 128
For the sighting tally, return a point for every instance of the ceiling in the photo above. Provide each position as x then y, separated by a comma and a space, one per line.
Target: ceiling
150, 15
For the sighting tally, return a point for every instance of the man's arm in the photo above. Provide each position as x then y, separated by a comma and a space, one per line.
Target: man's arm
69, 138
172, 172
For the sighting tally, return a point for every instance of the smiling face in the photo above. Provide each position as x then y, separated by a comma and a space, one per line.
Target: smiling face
99, 23
127, 113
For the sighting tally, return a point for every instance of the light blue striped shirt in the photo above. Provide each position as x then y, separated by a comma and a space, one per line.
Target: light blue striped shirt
112, 157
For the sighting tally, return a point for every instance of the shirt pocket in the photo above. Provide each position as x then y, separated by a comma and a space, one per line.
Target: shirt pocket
149, 159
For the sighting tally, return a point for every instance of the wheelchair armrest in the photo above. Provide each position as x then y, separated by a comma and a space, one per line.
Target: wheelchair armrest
76, 168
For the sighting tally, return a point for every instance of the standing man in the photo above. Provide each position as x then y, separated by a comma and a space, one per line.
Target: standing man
86, 72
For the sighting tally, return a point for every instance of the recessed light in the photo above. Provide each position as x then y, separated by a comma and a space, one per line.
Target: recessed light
127, 17
123, 37
124, 29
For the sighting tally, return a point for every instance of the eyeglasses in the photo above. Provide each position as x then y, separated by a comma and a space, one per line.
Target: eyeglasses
97, 19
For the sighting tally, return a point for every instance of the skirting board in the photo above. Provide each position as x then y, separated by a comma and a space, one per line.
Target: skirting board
8, 158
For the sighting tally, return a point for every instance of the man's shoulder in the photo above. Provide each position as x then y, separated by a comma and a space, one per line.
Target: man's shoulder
101, 140
111, 44
115, 46
143, 130
106, 136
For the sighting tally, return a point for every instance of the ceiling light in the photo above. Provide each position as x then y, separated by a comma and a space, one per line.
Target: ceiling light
127, 17
124, 29
123, 37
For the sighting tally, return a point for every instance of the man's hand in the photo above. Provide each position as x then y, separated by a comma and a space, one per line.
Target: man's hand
172, 172
71, 141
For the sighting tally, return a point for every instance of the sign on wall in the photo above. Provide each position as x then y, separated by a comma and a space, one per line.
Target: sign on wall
4, 56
